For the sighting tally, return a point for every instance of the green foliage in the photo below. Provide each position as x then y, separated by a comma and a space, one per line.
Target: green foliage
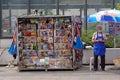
110, 43
86, 37
118, 41
118, 6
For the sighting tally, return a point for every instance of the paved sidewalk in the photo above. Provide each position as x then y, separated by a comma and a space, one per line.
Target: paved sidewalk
82, 74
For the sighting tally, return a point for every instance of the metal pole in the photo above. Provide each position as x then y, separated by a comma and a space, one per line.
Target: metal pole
85, 15
80, 13
29, 8
97, 9
114, 37
114, 27
57, 8
0, 18
114, 42
63, 12
113, 5
10, 13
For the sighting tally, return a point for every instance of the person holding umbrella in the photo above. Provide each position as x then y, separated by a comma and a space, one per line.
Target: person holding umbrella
99, 40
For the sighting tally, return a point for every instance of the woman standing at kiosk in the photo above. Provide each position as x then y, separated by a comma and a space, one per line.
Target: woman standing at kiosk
99, 40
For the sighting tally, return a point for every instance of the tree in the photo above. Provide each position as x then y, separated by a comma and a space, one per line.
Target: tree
118, 6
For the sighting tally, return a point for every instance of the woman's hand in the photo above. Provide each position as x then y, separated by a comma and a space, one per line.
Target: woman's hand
101, 40
93, 41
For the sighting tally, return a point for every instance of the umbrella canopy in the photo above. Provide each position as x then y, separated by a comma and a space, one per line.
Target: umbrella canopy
111, 15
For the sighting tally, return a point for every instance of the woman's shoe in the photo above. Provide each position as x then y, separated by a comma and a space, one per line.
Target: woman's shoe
103, 69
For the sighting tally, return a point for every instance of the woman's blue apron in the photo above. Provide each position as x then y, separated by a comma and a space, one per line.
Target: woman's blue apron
99, 47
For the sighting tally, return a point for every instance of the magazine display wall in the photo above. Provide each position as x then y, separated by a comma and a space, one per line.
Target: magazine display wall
44, 43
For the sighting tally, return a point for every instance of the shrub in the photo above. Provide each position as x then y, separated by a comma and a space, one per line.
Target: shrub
86, 37
110, 43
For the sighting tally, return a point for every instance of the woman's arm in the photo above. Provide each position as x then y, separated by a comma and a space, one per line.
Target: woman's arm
94, 38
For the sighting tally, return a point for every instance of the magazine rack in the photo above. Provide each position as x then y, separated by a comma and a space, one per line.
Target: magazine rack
44, 43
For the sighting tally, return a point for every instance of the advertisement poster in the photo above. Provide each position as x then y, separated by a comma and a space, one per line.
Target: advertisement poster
114, 29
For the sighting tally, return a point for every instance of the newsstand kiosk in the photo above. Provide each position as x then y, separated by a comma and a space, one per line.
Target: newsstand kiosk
44, 43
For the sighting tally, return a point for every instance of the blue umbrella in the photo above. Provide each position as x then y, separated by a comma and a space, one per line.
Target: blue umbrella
111, 15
